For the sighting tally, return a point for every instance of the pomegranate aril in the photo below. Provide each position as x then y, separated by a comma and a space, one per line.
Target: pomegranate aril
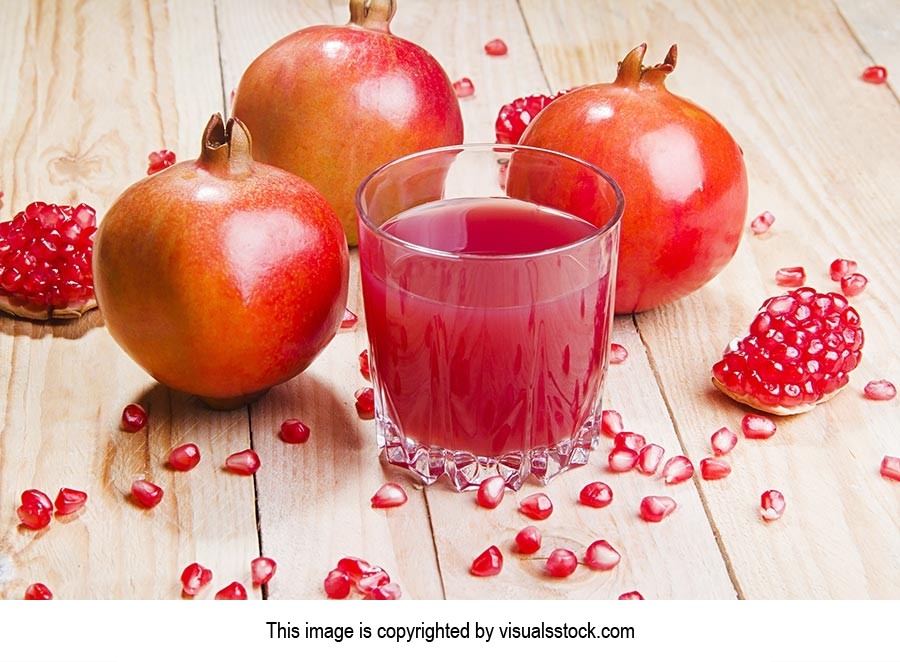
372, 579
38, 591
160, 161
354, 568
611, 422
762, 223
464, 87
890, 467
349, 320
723, 440
755, 426
596, 495
245, 463
337, 584
389, 591
536, 506
561, 563
677, 470
365, 402
262, 569
853, 284
134, 418
69, 501
631, 595
713, 468
234, 591
146, 494
600, 555
294, 431
389, 495
34, 516
496, 47
880, 389
656, 508
488, 563
841, 267
617, 353
771, 505
490, 492
631, 440
364, 369
790, 277
622, 459
649, 458
31, 497
184, 457
194, 578
875, 74
528, 540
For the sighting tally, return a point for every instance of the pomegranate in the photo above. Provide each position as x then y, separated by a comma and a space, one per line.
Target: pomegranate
332, 103
680, 170
514, 117
222, 277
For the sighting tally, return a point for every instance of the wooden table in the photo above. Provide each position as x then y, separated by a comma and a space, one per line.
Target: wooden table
88, 89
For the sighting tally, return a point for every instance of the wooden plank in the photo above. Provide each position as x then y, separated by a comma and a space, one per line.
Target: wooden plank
821, 148
89, 89
315, 508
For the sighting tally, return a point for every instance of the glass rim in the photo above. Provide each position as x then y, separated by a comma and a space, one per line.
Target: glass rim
601, 230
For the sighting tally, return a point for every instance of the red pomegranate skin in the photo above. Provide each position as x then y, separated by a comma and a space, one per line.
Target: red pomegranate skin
682, 175
222, 279
332, 103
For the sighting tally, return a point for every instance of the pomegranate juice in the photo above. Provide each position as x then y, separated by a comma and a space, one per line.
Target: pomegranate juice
489, 331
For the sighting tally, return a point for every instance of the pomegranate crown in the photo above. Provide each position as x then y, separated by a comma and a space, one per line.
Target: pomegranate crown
226, 146
372, 14
632, 71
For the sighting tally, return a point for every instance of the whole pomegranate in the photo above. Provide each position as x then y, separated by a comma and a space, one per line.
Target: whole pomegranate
222, 276
332, 103
680, 170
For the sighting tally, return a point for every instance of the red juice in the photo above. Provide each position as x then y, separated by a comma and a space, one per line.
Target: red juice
478, 347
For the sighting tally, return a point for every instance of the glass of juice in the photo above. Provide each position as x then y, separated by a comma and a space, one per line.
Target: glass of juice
488, 275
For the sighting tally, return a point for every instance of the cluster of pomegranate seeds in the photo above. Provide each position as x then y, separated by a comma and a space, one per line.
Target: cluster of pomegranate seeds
890, 467
365, 402
656, 508
45, 261
496, 47
677, 470
389, 495
373, 582
755, 426
134, 418
771, 505
464, 87
350, 319
160, 161
69, 501
262, 570
611, 422
617, 353
880, 389
762, 223
536, 506
194, 578
490, 492
528, 540
561, 563
853, 284
800, 350
514, 117
245, 463
632, 595
184, 457
36, 510
712, 468
723, 441
596, 495
841, 267
234, 591
38, 591
631, 440
790, 277
622, 459
875, 74
649, 458
600, 555
146, 494
293, 431
364, 369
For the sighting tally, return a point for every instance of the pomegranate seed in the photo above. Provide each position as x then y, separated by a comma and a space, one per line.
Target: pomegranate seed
632, 595
875, 75
561, 563
611, 422
262, 570
600, 555
890, 467
36, 497
1, 199
853, 284
514, 117
622, 459
762, 223
134, 418
657, 508
354, 568
790, 277
713, 469
194, 578
617, 354
34, 516
649, 458
631, 440
294, 432
69, 501
337, 585
365, 402
677, 470
245, 463
146, 494
464, 88
184, 457
490, 492
160, 161
389, 591
880, 389
349, 320
234, 591
495, 47
372, 579
536, 506
841, 267
364, 369
488, 563
389, 495
723, 440
596, 495
528, 540
38, 592
771, 505
755, 426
